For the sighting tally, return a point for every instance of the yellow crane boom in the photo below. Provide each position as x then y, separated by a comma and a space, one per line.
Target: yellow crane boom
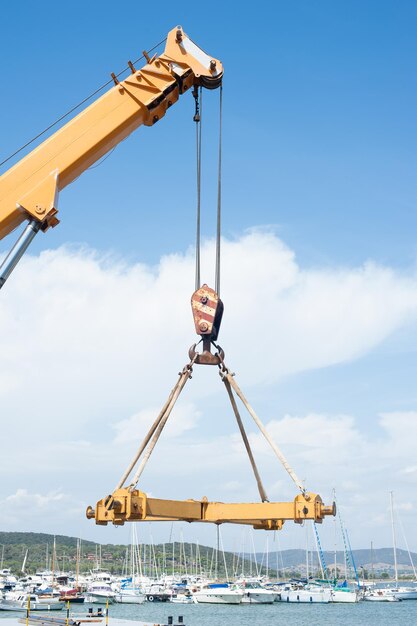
29, 190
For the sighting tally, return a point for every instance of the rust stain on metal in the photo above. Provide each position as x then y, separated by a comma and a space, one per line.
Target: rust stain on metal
207, 312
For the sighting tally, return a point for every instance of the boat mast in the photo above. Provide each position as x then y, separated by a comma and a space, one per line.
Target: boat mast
24, 561
77, 563
394, 545
53, 563
335, 576
372, 561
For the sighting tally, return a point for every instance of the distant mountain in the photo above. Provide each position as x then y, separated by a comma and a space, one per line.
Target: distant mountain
293, 558
31, 539
181, 557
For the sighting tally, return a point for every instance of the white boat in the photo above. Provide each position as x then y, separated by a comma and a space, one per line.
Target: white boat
391, 594
307, 594
100, 593
406, 593
217, 594
380, 595
344, 595
400, 592
182, 598
130, 595
21, 602
254, 593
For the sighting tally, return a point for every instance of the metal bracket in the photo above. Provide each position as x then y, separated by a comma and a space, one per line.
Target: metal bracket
206, 357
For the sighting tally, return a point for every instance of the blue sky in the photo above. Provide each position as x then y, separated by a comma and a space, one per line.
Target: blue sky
320, 95
319, 153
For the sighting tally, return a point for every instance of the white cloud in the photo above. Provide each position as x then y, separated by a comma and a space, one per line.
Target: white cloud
24, 509
22, 498
91, 346
182, 419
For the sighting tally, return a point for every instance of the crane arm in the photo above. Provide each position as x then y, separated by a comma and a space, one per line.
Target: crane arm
29, 190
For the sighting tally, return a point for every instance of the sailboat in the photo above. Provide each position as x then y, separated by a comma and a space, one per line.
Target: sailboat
400, 592
341, 593
129, 592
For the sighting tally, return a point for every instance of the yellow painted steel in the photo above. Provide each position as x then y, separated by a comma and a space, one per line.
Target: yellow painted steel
29, 190
126, 505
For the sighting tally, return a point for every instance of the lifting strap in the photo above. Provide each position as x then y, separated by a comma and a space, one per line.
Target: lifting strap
156, 428
261, 489
225, 373
147, 446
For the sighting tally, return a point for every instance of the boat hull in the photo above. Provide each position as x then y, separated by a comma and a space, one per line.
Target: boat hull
344, 596
306, 597
122, 598
217, 598
255, 597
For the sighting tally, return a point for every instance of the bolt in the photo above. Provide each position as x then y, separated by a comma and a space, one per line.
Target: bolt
203, 326
212, 65
39, 209
90, 513
155, 118
204, 299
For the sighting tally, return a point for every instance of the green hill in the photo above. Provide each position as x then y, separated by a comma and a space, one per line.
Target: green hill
179, 557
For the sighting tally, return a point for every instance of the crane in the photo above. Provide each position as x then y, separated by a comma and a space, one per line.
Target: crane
29, 190
29, 193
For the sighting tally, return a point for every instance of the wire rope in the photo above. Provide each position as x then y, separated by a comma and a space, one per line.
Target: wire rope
219, 196
198, 95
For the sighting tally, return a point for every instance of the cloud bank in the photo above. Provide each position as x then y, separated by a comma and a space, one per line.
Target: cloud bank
91, 345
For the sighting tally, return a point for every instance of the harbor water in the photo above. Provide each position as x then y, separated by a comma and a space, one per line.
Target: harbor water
279, 613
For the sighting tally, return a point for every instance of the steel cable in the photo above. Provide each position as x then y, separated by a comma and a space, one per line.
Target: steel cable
198, 120
219, 196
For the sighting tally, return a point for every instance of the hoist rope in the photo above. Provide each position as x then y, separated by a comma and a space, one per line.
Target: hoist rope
225, 373
198, 117
261, 489
77, 106
198, 95
219, 195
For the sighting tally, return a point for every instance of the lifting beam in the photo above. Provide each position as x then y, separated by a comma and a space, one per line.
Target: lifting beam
125, 505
